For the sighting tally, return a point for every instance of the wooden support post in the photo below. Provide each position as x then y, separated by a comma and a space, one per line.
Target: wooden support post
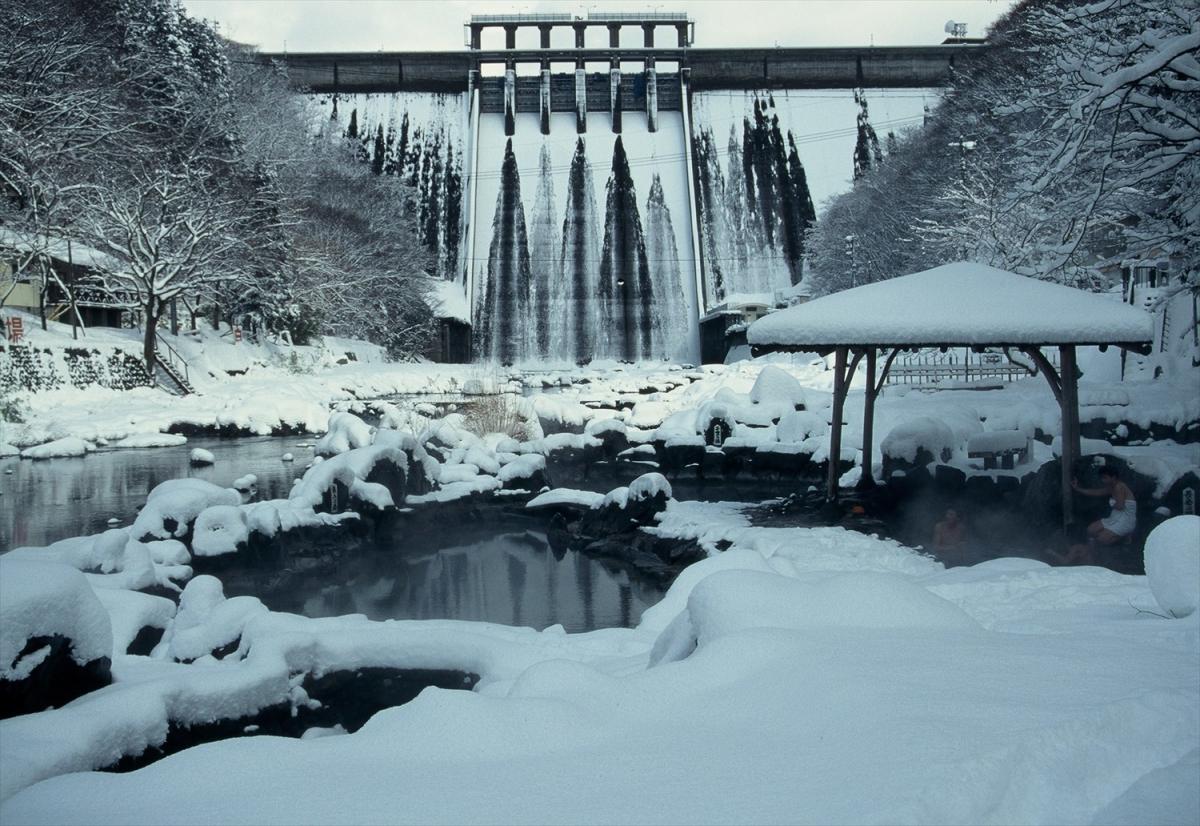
1069, 404
835, 426
867, 480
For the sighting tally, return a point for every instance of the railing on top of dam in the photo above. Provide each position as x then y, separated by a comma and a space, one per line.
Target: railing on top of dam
768, 68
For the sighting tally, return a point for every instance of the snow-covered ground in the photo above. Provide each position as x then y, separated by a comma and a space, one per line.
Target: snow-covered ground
801, 676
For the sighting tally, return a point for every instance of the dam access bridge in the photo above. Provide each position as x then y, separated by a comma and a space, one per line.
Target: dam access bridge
652, 76
637, 75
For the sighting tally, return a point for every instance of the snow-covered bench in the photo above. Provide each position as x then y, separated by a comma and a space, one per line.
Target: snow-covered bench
1002, 448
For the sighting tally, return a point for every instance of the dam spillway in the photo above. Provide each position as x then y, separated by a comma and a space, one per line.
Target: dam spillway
581, 214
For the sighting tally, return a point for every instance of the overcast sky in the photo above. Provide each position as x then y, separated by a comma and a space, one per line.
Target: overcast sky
399, 25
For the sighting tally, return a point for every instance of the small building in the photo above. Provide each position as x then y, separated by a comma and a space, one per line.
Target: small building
78, 272
723, 329
452, 344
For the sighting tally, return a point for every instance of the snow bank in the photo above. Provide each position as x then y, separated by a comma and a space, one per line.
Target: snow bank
43, 599
1172, 558
60, 448
730, 601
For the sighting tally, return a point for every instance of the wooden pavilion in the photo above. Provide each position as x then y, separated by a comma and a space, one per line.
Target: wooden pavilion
963, 305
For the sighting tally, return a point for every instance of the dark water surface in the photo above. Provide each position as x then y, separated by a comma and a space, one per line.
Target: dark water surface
494, 570
47, 500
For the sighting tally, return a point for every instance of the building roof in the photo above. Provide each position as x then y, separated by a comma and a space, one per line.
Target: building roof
62, 249
959, 304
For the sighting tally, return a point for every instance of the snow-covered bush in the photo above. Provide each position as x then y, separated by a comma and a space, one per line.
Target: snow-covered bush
1172, 557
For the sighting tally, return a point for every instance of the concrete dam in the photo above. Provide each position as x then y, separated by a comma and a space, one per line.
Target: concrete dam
594, 202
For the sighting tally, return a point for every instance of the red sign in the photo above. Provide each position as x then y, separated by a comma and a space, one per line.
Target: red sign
16, 328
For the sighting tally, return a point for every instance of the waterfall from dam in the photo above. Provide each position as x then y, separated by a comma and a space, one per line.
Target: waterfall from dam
608, 280
579, 246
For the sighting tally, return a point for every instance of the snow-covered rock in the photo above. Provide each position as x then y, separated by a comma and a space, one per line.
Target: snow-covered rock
200, 456
778, 388
649, 485
219, 530
1172, 558
179, 501
45, 599
922, 433
346, 431
206, 620
797, 425
143, 440
67, 446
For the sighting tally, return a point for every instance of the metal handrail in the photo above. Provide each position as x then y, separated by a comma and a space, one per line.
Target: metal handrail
173, 356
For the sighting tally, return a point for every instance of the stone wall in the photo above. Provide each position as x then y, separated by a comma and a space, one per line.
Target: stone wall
35, 369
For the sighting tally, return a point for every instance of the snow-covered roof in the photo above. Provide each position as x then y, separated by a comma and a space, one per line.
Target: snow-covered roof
61, 248
449, 300
956, 304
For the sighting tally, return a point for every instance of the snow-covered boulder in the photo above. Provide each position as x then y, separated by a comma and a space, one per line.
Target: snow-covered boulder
1172, 559
527, 466
59, 448
778, 388
219, 530
798, 425
351, 469
207, 622
908, 439
55, 636
114, 559
142, 440
649, 486
346, 432
200, 456
173, 505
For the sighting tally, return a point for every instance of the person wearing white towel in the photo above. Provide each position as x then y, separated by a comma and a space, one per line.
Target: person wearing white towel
1120, 523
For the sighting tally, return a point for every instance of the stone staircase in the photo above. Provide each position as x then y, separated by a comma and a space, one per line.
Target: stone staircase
171, 369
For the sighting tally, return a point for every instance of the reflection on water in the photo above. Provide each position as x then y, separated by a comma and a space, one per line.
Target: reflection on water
512, 578
44, 501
